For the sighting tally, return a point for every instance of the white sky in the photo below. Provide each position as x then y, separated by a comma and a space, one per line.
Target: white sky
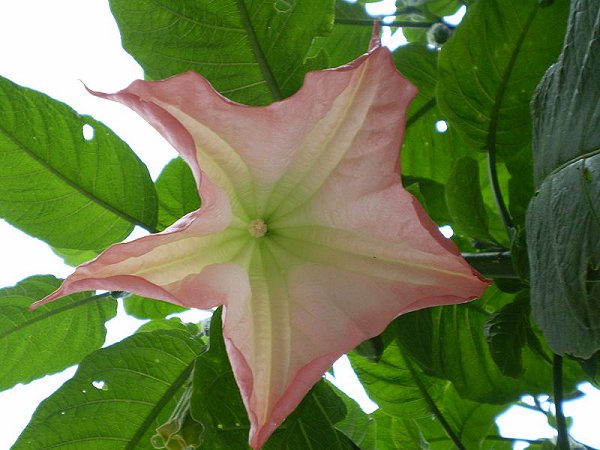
52, 46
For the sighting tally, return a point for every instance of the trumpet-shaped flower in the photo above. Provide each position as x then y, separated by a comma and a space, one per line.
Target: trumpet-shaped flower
305, 234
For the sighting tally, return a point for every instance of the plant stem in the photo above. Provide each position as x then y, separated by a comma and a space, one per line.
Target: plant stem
500, 204
433, 407
562, 442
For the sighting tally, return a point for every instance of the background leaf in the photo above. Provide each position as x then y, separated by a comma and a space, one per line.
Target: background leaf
53, 336
56, 185
448, 343
251, 52
149, 308
118, 397
563, 220
465, 202
177, 193
490, 67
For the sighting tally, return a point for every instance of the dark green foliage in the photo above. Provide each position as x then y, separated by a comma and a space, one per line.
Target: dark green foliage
563, 221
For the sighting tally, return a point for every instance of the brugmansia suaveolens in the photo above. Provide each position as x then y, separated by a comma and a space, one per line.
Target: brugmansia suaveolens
305, 234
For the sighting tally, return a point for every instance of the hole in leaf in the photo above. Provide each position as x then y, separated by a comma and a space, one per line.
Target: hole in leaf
441, 126
100, 385
447, 231
88, 132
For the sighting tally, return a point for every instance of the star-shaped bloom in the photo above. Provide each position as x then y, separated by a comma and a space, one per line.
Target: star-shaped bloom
305, 234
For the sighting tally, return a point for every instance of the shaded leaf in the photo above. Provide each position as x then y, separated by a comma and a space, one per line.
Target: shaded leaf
67, 190
448, 343
252, 52
563, 219
177, 193
37, 343
426, 152
471, 423
506, 332
490, 67
118, 397
465, 202
395, 385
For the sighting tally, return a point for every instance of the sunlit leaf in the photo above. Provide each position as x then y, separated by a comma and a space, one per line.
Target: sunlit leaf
51, 338
71, 191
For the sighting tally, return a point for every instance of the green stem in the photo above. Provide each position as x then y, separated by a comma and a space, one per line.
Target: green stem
433, 407
562, 442
497, 192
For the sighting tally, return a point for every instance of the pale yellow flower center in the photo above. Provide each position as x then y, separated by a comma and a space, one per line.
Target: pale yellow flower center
257, 228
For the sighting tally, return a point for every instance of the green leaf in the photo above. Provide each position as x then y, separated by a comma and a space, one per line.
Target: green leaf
53, 336
490, 67
563, 220
472, 423
177, 193
312, 425
73, 257
426, 152
465, 202
251, 52
349, 38
448, 343
67, 190
395, 385
149, 308
506, 332
118, 397
432, 197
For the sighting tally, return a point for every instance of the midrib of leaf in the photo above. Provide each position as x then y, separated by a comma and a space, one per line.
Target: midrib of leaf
258, 52
41, 317
122, 214
577, 158
432, 406
168, 395
491, 140
420, 112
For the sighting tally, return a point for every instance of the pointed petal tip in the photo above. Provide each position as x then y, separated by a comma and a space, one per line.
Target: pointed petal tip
47, 299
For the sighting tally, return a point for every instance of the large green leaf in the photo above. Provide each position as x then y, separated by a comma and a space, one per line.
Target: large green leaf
563, 219
118, 397
491, 65
448, 342
52, 337
67, 190
252, 52
470, 423
177, 193
395, 385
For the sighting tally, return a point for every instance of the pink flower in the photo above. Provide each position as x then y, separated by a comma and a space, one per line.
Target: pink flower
305, 233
